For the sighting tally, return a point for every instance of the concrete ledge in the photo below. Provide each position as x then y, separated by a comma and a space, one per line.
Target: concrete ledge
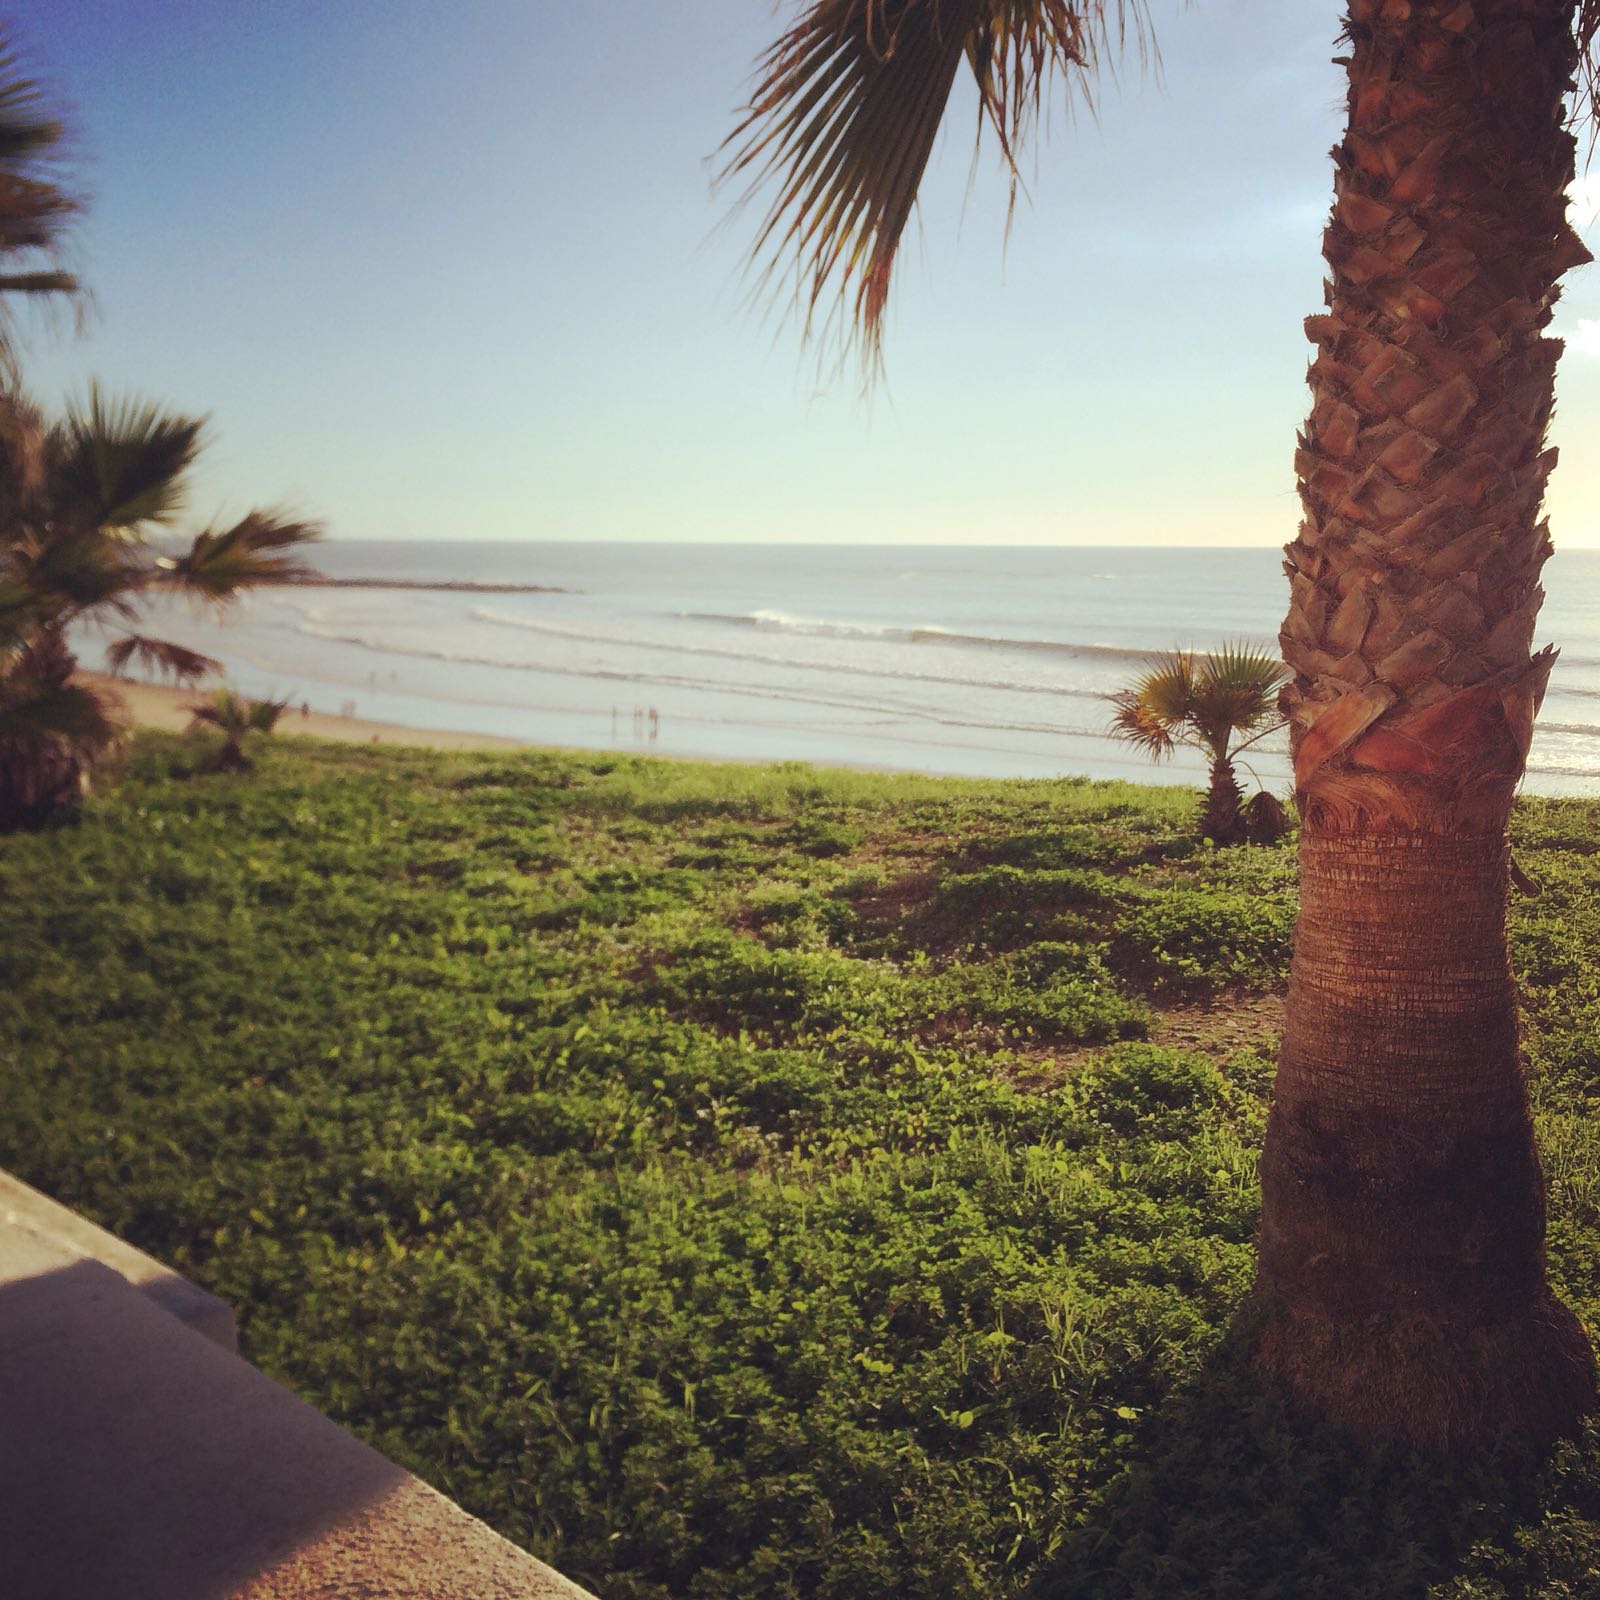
66, 1237
141, 1459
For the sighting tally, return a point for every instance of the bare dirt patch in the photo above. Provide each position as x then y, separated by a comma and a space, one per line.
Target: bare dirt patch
895, 902
1230, 1022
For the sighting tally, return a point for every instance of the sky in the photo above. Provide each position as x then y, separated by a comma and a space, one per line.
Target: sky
459, 272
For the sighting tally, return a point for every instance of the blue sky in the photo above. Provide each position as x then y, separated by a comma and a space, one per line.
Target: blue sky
442, 271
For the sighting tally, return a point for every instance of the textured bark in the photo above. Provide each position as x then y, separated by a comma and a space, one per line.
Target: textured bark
1403, 1214
1223, 821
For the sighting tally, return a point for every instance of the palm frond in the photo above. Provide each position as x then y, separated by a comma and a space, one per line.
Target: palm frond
264, 714
38, 283
1235, 691
210, 716
28, 129
1167, 689
68, 715
53, 732
23, 439
36, 208
73, 570
41, 704
258, 549
1586, 103
33, 212
118, 464
846, 109
1139, 725
161, 656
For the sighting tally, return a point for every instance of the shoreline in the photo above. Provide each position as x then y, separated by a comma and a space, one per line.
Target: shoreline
444, 586
164, 707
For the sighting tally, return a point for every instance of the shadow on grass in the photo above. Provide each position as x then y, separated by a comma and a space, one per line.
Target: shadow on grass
1232, 1495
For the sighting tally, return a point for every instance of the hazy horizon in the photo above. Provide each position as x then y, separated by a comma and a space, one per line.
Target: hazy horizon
813, 544
461, 269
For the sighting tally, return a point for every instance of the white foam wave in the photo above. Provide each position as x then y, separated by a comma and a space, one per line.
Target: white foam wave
926, 632
788, 663
889, 712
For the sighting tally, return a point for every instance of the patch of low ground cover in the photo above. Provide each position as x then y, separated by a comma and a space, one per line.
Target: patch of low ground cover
752, 1180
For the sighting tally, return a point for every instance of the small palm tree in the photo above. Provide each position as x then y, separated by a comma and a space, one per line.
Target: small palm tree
1206, 702
237, 717
81, 502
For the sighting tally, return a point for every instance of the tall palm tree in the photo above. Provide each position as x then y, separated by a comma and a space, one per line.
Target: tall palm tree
1402, 1284
82, 502
1207, 702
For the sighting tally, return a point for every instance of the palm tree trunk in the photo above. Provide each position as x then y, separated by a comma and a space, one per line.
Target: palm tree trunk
1223, 821
1402, 1276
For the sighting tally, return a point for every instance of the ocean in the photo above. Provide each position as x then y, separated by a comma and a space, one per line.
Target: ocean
984, 661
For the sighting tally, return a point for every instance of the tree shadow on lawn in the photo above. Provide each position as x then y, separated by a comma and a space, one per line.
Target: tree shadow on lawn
1230, 1494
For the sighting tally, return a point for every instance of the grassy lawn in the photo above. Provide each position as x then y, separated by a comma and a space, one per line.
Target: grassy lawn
756, 1181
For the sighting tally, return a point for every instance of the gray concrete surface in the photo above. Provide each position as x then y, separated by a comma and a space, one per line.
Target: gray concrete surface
66, 1236
142, 1460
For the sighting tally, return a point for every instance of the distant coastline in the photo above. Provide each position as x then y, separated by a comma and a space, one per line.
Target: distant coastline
171, 709
449, 586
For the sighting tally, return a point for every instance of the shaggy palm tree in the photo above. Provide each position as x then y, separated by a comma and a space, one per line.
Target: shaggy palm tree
1402, 1284
236, 717
1206, 702
81, 501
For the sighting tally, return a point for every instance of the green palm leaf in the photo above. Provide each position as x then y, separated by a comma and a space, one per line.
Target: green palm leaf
225, 710
260, 548
159, 655
848, 104
264, 714
1236, 691
118, 464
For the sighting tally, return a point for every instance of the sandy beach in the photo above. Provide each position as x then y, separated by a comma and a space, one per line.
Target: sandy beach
159, 705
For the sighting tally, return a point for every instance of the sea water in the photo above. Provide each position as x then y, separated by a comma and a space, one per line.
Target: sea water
980, 660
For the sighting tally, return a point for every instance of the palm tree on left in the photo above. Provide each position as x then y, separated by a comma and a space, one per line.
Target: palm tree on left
81, 500
83, 503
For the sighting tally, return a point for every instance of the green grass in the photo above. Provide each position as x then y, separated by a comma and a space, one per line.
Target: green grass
754, 1180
